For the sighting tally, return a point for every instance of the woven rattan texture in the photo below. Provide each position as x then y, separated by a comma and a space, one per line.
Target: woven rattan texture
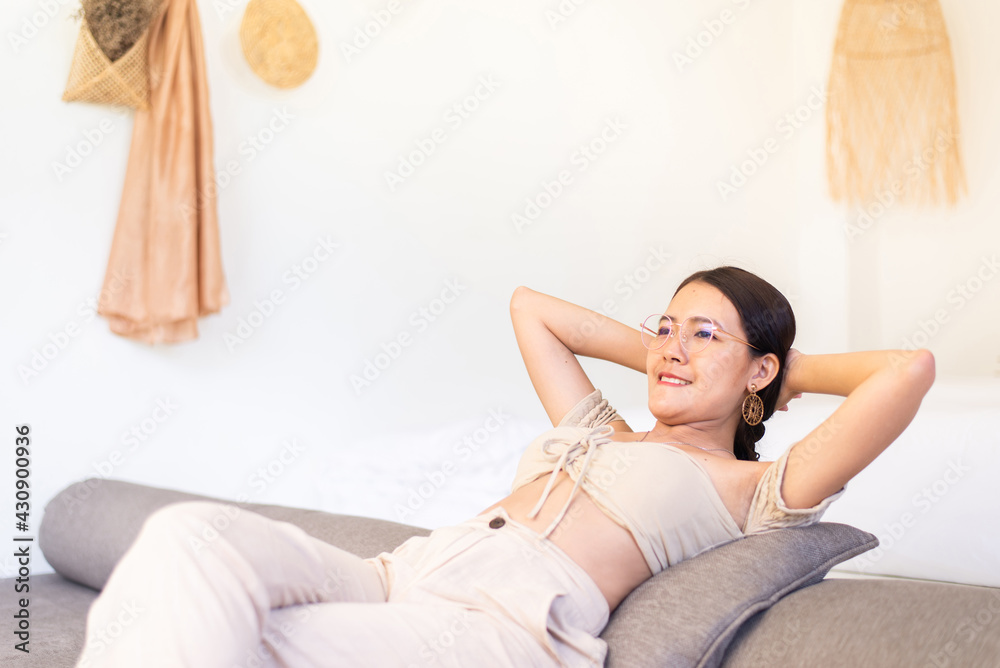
94, 78
279, 42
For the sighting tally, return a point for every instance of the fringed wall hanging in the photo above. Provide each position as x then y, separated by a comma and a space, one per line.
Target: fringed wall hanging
892, 123
110, 59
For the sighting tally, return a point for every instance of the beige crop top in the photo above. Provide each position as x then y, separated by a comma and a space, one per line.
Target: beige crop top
659, 493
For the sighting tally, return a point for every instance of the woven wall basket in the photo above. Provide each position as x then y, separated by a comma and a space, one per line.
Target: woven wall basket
94, 78
279, 42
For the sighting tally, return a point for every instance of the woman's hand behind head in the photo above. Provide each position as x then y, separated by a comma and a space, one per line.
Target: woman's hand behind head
788, 390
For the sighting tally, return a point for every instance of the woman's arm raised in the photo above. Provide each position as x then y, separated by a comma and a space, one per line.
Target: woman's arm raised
884, 389
550, 334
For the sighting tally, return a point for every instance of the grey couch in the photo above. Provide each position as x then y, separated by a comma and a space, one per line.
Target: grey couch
759, 601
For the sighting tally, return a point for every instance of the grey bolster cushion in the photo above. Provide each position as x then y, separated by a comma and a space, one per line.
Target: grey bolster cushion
88, 526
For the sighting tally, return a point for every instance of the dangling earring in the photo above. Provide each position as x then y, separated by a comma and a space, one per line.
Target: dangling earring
753, 413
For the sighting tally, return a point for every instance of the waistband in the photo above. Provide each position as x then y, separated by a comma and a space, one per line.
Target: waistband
593, 599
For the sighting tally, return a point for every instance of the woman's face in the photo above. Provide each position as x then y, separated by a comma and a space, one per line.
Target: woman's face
719, 373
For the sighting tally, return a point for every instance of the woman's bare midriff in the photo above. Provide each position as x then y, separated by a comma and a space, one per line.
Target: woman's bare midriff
601, 546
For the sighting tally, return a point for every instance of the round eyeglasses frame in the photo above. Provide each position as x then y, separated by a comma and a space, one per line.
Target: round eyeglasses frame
645, 327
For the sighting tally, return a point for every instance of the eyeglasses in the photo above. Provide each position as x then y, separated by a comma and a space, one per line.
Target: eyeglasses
695, 332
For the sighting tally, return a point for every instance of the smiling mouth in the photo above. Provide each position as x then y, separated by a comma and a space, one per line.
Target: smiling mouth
673, 381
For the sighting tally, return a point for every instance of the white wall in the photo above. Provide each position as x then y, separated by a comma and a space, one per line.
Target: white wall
557, 86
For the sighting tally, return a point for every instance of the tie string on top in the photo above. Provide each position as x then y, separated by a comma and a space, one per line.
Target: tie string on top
571, 450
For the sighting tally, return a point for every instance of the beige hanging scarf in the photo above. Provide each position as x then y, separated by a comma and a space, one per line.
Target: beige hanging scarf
165, 269
892, 123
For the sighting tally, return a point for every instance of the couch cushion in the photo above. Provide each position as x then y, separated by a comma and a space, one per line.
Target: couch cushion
58, 616
88, 526
684, 616
866, 622
687, 614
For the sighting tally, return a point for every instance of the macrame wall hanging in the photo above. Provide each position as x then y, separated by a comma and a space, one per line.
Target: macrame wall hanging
892, 123
110, 59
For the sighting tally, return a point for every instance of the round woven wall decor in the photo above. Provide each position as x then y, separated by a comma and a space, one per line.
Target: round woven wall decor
279, 42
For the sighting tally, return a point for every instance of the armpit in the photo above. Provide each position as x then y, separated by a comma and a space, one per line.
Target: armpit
768, 509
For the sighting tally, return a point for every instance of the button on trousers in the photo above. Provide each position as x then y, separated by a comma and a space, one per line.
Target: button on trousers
209, 584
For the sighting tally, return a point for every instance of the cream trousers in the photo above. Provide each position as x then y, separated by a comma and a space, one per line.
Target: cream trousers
208, 584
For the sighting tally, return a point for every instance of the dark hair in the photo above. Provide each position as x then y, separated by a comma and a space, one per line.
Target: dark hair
767, 319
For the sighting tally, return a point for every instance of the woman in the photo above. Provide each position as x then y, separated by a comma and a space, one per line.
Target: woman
532, 580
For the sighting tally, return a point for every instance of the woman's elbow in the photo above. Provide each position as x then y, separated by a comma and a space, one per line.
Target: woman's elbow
922, 368
518, 297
